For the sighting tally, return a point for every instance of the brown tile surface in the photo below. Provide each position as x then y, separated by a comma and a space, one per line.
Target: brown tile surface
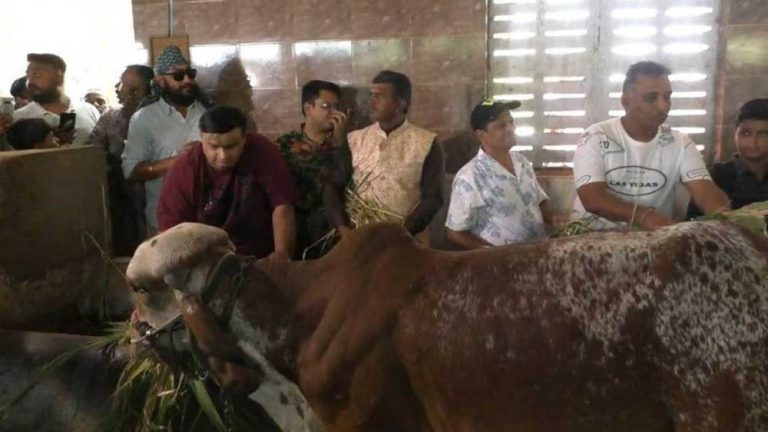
459, 147
448, 59
232, 86
207, 22
739, 90
447, 17
264, 20
380, 18
746, 50
374, 55
324, 60
269, 65
277, 111
322, 19
728, 149
149, 20
444, 107
209, 61
748, 12
237, 98
355, 98
323, 49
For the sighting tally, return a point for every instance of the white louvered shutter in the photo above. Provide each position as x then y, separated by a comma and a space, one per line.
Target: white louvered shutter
565, 60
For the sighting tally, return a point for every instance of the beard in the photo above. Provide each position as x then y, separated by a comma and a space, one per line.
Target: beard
44, 96
177, 97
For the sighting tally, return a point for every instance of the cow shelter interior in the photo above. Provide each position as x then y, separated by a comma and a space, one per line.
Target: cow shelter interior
563, 59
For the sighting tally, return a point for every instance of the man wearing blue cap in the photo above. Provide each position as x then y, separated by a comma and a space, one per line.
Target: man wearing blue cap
496, 199
159, 130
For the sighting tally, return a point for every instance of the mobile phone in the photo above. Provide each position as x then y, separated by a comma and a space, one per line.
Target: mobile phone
67, 122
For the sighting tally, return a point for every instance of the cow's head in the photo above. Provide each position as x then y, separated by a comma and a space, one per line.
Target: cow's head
177, 259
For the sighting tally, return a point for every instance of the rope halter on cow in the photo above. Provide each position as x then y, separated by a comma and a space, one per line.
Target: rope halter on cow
171, 340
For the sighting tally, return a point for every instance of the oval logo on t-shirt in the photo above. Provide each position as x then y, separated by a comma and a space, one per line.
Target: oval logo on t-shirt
634, 180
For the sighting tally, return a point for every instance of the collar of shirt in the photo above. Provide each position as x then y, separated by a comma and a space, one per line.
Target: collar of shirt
38, 110
392, 135
743, 170
169, 109
327, 141
741, 167
485, 159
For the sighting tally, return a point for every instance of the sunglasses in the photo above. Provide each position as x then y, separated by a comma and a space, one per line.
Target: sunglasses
179, 75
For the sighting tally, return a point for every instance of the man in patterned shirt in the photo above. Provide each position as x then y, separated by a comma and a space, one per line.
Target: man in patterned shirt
312, 154
496, 199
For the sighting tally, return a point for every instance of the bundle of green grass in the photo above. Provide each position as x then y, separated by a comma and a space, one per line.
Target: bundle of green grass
752, 217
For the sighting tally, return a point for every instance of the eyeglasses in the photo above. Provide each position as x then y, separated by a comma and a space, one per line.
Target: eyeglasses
179, 75
330, 107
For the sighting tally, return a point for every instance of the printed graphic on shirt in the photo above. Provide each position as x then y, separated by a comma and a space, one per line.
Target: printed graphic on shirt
609, 146
666, 138
698, 173
634, 180
583, 180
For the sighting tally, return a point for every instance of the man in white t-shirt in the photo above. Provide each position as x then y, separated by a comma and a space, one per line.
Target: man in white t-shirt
496, 199
45, 82
626, 169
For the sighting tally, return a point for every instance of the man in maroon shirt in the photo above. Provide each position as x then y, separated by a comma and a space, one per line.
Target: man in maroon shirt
236, 181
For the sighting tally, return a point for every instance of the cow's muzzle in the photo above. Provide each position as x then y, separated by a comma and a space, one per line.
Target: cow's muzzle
170, 342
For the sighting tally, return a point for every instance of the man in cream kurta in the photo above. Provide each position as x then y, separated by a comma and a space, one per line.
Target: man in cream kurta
394, 162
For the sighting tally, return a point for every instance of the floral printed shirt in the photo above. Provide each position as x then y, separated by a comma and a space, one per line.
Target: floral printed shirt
495, 205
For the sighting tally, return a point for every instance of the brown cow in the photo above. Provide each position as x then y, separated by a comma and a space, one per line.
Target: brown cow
641, 331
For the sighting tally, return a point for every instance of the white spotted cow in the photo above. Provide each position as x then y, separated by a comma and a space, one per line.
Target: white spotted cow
663, 330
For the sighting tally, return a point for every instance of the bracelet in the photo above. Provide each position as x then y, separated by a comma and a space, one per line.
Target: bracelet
645, 213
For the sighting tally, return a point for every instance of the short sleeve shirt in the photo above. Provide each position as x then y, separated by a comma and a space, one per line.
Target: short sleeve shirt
86, 116
644, 173
495, 205
739, 183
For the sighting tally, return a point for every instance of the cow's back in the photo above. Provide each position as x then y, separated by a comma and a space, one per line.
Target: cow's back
607, 331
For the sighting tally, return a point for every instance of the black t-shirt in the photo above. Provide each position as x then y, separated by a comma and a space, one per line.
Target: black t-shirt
739, 183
